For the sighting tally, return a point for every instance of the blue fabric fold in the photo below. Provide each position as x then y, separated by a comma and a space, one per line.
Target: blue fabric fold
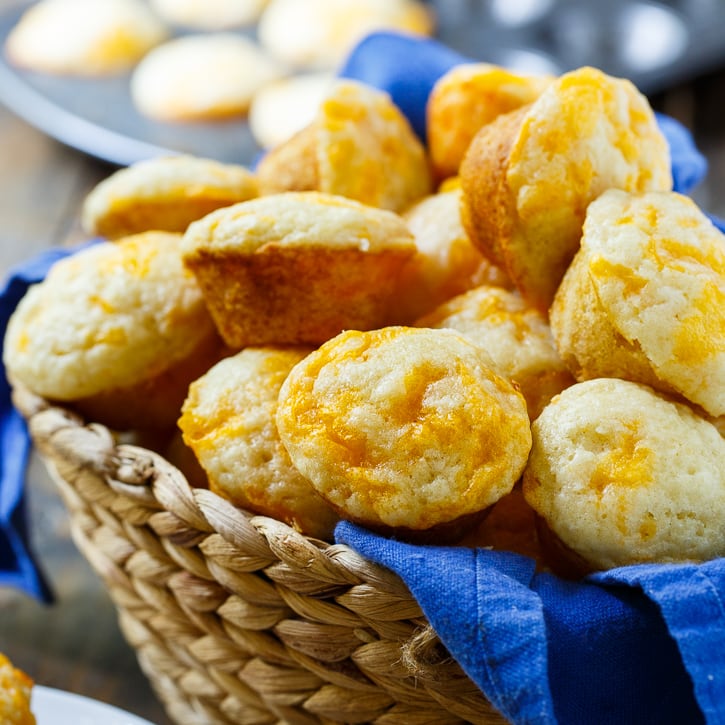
545, 650
18, 566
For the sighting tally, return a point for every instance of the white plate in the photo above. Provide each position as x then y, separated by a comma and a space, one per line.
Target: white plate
55, 707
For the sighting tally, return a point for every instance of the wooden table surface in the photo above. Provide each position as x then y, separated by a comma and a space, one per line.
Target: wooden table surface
75, 644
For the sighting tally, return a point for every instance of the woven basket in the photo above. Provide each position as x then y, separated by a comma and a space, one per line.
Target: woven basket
238, 618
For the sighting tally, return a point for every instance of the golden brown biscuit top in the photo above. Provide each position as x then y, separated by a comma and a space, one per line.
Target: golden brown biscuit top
366, 149
658, 266
15, 694
107, 317
466, 98
403, 426
583, 122
298, 219
622, 475
167, 179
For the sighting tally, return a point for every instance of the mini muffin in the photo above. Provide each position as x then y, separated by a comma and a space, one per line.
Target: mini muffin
405, 431
320, 33
201, 77
118, 330
84, 37
529, 176
286, 106
359, 145
15, 694
644, 298
164, 194
297, 268
622, 475
210, 14
445, 264
228, 420
464, 99
516, 337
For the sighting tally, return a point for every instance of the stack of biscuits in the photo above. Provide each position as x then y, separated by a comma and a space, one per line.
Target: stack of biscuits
511, 335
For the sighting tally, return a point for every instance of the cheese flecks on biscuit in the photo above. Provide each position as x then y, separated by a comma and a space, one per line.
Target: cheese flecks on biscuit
404, 427
622, 476
228, 420
529, 176
644, 298
164, 194
466, 98
107, 317
359, 145
515, 336
298, 267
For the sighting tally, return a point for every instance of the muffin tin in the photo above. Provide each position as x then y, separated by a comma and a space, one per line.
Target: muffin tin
653, 44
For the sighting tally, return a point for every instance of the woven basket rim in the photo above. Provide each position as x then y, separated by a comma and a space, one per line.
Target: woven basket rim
314, 612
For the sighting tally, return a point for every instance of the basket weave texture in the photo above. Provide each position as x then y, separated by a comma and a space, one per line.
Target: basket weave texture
237, 618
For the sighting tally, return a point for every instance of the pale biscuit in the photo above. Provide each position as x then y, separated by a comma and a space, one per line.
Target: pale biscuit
15, 694
297, 268
359, 145
201, 77
209, 14
466, 98
644, 299
286, 106
445, 264
118, 330
516, 337
404, 429
622, 475
228, 420
529, 176
320, 33
165, 194
84, 37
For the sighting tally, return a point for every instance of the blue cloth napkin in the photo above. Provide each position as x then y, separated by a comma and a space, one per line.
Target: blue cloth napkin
18, 566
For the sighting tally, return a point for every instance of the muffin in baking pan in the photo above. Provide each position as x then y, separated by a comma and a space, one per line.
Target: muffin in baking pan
84, 37
201, 77
319, 33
